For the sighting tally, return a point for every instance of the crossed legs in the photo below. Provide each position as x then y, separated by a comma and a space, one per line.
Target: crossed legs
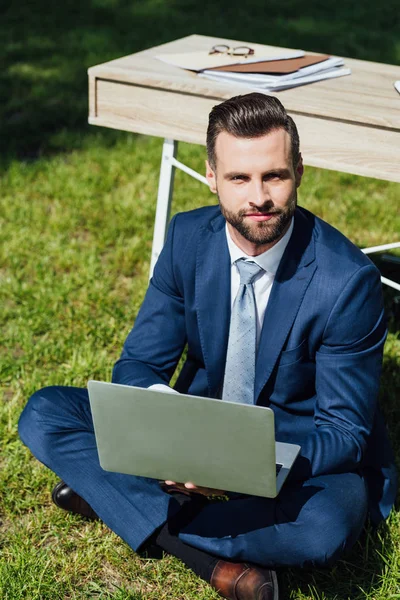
308, 524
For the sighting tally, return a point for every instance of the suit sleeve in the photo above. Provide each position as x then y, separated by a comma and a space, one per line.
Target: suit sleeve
155, 344
348, 368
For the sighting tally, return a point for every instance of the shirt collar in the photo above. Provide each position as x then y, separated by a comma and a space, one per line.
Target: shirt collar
268, 260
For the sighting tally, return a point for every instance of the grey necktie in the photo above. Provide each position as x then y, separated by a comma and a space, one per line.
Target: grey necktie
241, 354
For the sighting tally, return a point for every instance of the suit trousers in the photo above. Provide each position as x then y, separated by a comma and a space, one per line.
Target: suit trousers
310, 523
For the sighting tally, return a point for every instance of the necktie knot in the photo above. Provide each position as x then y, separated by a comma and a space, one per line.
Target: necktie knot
248, 270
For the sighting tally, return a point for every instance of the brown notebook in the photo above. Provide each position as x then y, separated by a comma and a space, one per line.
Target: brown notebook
289, 65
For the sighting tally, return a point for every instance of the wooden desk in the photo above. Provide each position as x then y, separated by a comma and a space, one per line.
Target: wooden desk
349, 124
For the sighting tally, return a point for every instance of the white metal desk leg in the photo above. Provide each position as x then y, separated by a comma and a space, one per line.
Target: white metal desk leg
164, 199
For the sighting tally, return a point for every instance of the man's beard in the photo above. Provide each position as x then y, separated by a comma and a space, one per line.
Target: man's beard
261, 232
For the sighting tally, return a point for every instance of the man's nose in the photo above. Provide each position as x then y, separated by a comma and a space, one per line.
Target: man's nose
260, 193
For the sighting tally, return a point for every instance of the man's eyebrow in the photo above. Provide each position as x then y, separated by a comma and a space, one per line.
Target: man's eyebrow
282, 171
235, 174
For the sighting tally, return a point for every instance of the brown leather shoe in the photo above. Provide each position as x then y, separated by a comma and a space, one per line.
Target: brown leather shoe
64, 497
242, 581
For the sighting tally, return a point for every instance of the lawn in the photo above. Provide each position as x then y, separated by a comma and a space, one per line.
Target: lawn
76, 216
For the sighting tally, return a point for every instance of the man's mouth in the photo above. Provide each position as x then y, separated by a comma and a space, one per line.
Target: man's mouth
257, 216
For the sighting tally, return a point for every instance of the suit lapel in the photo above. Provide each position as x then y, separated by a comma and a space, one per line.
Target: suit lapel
213, 305
292, 279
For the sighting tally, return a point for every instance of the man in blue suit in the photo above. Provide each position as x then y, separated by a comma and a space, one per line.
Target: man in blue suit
312, 352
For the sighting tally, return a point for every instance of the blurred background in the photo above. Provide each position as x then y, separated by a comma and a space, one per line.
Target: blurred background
46, 48
77, 207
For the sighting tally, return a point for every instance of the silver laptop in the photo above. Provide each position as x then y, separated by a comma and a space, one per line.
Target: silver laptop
212, 443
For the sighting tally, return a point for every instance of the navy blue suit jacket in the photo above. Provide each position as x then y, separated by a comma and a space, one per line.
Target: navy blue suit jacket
320, 352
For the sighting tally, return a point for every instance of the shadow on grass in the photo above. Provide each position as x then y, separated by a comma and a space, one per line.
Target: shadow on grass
390, 386
358, 576
47, 48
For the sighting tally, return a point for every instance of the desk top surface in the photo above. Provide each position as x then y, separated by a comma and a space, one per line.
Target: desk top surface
366, 97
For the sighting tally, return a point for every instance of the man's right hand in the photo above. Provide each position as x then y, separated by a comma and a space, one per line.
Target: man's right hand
191, 487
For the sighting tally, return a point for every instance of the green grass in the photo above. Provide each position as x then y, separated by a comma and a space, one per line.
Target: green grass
76, 221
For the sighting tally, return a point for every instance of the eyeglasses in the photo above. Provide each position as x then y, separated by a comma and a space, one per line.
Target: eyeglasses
244, 51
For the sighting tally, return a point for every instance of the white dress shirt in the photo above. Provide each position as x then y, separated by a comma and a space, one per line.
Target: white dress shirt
269, 261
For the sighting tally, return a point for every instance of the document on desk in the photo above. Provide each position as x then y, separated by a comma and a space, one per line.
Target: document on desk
200, 60
328, 69
276, 67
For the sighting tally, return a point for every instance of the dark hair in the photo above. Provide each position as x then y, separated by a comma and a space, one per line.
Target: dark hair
250, 116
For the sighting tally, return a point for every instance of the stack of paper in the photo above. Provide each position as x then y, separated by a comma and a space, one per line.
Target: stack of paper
277, 75
278, 71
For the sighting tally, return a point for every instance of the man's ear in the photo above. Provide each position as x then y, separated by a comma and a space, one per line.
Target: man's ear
299, 171
211, 178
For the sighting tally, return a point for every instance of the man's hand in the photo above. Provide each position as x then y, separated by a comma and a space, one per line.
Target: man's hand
191, 487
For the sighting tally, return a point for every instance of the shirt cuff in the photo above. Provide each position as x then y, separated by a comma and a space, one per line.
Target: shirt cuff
161, 387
